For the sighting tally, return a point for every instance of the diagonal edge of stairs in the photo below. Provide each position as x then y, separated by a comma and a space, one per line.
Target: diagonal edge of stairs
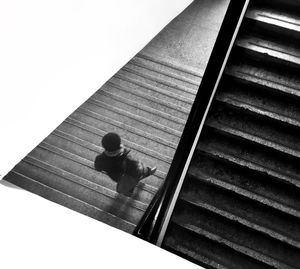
147, 102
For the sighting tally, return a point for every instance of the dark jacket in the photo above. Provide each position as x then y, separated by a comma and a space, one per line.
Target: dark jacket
116, 166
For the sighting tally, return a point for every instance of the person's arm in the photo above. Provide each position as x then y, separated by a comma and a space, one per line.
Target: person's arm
98, 164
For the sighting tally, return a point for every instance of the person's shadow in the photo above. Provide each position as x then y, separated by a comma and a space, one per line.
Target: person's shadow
122, 205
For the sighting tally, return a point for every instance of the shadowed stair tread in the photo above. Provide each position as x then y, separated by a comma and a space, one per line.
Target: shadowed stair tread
244, 211
262, 138
234, 101
241, 239
278, 52
202, 250
262, 164
262, 98
274, 80
248, 184
69, 201
274, 17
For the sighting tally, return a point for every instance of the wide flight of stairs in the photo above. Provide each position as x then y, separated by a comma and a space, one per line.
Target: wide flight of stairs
147, 102
240, 203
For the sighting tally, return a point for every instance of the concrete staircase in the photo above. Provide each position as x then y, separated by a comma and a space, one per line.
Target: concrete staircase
147, 102
240, 202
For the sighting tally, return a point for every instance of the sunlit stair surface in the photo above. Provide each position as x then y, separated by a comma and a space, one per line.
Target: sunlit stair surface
147, 103
240, 203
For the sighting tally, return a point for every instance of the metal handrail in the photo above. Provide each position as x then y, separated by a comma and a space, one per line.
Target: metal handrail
155, 220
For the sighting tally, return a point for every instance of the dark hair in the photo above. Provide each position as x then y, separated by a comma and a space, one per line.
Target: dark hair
111, 142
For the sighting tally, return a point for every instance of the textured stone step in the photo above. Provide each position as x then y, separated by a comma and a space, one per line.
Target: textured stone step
261, 98
270, 80
271, 18
132, 119
68, 201
233, 123
253, 157
246, 212
266, 50
166, 70
139, 109
181, 70
206, 252
251, 184
165, 86
245, 107
147, 100
236, 236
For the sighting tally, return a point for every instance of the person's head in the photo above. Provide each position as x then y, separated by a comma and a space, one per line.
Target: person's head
111, 142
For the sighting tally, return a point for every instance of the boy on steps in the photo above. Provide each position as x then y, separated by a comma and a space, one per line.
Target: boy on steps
120, 166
